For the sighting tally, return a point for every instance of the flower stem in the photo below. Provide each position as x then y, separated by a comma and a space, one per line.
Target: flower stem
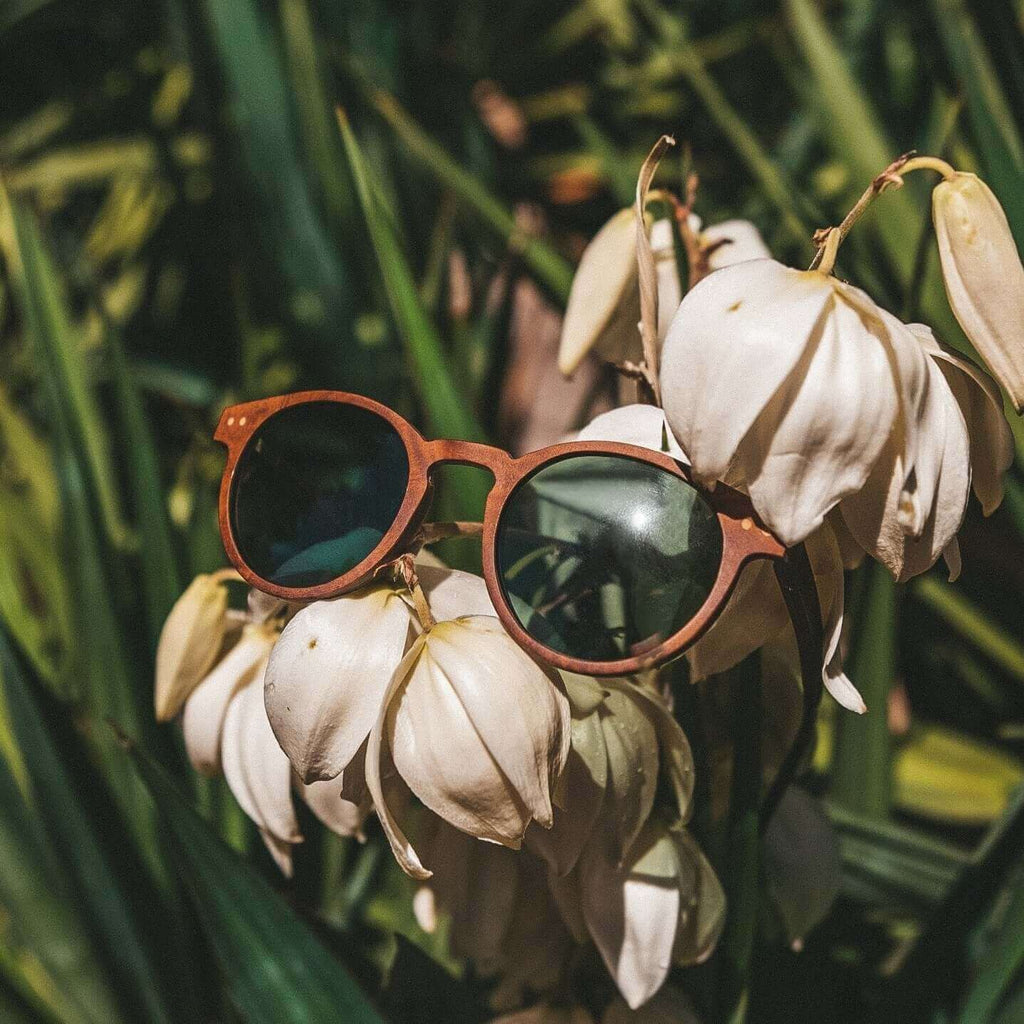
828, 240
404, 568
743, 864
929, 163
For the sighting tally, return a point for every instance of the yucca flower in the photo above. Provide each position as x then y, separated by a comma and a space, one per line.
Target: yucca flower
755, 611
983, 275
478, 731
624, 740
662, 906
502, 916
191, 639
327, 679
226, 729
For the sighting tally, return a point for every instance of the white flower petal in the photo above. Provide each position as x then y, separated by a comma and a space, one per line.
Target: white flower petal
632, 913
943, 472
190, 640
604, 301
951, 556
642, 425
632, 744
452, 594
203, 720
341, 816
739, 241
280, 851
702, 910
982, 406
754, 613
579, 798
405, 854
675, 755
327, 676
255, 767
728, 352
479, 731
983, 276
820, 434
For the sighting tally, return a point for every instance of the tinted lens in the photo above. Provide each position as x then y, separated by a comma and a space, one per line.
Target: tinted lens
315, 490
604, 557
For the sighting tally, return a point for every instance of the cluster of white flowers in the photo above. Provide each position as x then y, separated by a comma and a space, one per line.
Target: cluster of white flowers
849, 430
357, 705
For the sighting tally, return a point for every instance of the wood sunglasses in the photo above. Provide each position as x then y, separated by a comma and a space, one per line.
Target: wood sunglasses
345, 483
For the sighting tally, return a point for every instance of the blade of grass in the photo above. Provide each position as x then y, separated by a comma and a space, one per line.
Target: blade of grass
861, 775
42, 912
446, 409
275, 970
161, 580
97, 889
742, 880
60, 357
550, 269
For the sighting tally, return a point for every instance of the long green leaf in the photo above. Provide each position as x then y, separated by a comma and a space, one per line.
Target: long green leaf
447, 410
98, 891
161, 580
276, 971
34, 893
861, 774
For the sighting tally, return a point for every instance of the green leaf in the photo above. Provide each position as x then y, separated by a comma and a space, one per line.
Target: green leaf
861, 769
275, 970
99, 892
161, 581
315, 286
42, 911
40, 296
446, 409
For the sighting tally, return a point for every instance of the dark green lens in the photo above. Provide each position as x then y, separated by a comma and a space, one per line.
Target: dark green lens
604, 557
315, 490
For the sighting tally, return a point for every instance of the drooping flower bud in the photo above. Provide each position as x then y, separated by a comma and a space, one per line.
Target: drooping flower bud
983, 275
477, 729
189, 643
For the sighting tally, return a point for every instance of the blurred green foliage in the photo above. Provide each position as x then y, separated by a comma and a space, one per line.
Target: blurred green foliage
183, 223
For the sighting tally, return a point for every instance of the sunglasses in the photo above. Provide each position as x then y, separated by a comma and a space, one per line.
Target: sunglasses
600, 558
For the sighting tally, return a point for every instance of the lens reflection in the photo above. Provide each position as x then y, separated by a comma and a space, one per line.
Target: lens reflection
315, 490
604, 557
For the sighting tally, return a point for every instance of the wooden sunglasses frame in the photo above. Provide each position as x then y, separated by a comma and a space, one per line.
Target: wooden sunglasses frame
743, 535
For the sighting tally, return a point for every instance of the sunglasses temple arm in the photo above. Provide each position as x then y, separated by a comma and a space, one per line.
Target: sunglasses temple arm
796, 579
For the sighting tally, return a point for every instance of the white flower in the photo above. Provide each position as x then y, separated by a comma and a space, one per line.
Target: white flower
604, 303
755, 611
664, 905
190, 640
502, 915
226, 728
476, 729
983, 275
623, 736
788, 383
328, 674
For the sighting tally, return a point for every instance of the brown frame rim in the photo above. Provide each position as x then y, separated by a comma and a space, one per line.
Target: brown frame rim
743, 535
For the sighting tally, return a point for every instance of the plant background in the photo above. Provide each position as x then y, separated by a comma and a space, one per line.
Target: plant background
183, 224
